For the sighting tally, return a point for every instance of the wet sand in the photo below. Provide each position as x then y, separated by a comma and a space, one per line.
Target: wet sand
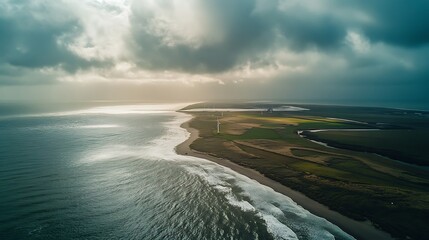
358, 229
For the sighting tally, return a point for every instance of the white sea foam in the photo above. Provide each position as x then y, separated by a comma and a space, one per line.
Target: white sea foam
278, 229
220, 179
280, 213
160, 149
243, 205
164, 147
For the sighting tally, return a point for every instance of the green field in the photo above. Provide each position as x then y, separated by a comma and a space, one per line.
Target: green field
358, 184
405, 145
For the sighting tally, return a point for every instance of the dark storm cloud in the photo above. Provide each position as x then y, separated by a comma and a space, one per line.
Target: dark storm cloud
247, 33
305, 30
250, 32
398, 22
244, 33
31, 45
33, 37
250, 29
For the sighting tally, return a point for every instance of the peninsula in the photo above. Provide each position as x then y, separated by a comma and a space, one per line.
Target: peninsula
363, 169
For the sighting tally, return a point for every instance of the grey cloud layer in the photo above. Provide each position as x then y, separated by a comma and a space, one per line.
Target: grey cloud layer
35, 35
251, 28
247, 33
360, 44
402, 23
243, 34
28, 44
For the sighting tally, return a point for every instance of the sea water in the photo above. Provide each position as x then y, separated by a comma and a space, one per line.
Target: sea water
111, 172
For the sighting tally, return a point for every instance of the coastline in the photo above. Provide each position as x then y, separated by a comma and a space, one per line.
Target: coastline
358, 229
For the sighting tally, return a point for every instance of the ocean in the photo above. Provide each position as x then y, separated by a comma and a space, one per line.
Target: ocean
111, 172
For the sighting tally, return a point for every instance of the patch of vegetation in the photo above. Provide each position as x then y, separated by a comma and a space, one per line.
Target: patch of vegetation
254, 133
307, 153
404, 145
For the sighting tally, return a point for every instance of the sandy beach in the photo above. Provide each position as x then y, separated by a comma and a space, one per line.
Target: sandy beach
358, 229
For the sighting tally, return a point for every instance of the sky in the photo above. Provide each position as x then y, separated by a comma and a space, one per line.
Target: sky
339, 51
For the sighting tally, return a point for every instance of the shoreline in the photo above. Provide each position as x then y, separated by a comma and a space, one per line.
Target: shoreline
358, 229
